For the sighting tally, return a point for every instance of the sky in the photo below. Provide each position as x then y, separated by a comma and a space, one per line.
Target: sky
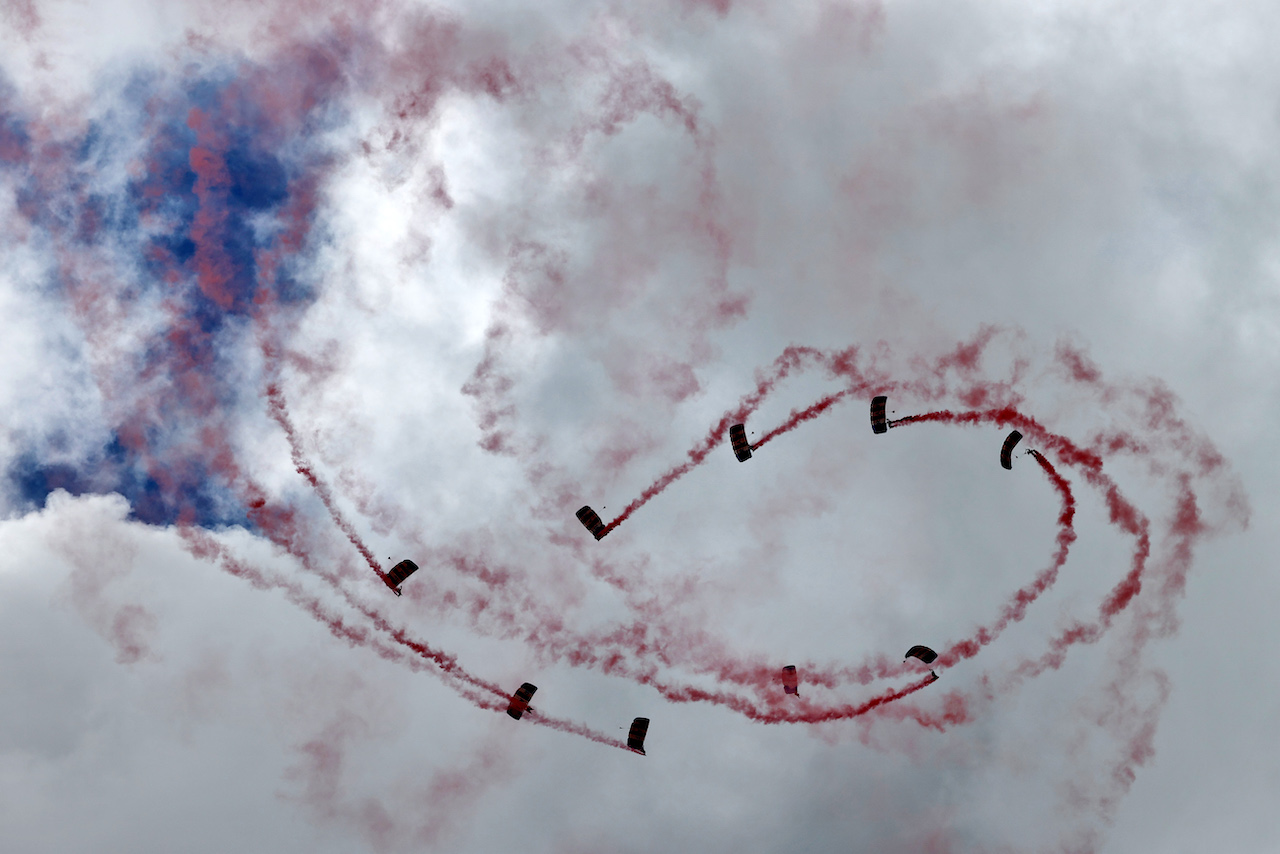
294, 291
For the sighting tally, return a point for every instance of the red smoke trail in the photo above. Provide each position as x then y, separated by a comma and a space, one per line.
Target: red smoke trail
1186, 528
591, 651
481, 693
205, 547
764, 678
808, 712
608, 652
1122, 513
280, 414
613, 665
791, 360
446, 663
842, 364
1132, 723
799, 416
1016, 609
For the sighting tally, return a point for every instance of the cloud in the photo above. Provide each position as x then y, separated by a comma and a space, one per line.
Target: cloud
300, 287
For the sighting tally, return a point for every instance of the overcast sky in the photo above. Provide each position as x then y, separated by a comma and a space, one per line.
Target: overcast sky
294, 288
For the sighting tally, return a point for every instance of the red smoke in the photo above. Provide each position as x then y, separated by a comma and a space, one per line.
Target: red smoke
399, 636
643, 650
280, 414
1016, 608
793, 360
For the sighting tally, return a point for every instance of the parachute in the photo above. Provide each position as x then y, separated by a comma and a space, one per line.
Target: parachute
923, 653
790, 682
635, 738
879, 421
1006, 453
741, 447
520, 700
591, 521
399, 573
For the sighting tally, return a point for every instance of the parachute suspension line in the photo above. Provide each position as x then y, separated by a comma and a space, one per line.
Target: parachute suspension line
880, 422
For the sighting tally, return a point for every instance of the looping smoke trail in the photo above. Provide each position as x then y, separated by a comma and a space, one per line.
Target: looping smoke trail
614, 652
1122, 513
763, 678
811, 713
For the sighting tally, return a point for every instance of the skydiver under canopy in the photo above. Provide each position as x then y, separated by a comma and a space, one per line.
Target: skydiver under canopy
790, 681
880, 422
591, 521
520, 700
398, 573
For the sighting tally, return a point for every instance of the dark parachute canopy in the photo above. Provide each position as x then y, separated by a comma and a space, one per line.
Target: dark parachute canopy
1006, 452
520, 700
591, 521
399, 573
635, 738
741, 447
921, 652
879, 421
790, 681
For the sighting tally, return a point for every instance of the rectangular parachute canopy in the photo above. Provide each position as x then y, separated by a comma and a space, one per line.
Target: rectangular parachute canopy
921, 652
790, 681
741, 447
520, 700
401, 571
879, 422
635, 738
1006, 451
591, 521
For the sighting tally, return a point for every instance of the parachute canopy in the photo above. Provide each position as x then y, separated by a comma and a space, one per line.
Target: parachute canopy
399, 573
879, 421
741, 447
591, 521
790, 682
1006, 453
635, 738
520, 700
921, 652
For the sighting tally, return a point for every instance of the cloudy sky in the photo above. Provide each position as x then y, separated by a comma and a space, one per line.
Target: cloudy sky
293, 291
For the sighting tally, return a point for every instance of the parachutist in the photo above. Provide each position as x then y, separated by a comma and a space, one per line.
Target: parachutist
790, 680
520, 700
398, 573
591, 521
